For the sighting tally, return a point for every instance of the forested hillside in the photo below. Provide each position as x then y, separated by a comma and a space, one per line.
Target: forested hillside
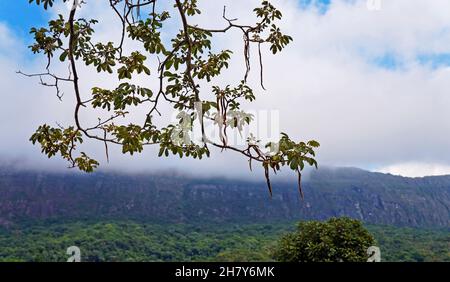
138, 241
371, 197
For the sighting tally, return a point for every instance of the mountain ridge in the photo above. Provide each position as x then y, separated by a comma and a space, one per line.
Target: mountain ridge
374, 198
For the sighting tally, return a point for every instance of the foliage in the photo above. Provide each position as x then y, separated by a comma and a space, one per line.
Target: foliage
412, 244
338, 239
145, 241
133, 241
187, 65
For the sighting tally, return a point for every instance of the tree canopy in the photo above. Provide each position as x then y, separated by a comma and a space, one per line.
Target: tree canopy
186, 66
338, 239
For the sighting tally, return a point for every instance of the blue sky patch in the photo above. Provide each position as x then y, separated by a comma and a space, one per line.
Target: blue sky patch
389, 61
321, 5
20, 16
434, 60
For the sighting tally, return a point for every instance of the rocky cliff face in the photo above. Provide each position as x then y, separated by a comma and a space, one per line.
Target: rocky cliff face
372, 197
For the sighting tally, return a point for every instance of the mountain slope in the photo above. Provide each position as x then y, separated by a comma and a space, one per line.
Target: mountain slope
372, 197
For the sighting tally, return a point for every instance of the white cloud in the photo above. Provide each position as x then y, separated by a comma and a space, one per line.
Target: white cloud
416, 169
10, 45
323, 84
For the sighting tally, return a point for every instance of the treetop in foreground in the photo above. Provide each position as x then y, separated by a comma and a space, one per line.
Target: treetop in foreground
336, 240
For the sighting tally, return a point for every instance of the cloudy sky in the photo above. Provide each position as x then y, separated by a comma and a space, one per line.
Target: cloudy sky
370, 82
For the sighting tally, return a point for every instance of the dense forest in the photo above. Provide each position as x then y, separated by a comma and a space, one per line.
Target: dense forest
140, 241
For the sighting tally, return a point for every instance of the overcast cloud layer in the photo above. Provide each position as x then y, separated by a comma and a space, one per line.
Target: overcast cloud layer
371, 86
